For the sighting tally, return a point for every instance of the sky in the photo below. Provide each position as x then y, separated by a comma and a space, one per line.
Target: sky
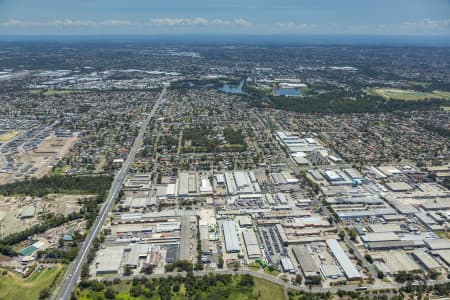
151, 17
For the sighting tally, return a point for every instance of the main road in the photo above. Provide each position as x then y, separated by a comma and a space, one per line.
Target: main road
73, 272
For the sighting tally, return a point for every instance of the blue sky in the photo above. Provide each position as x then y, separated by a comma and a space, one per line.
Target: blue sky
380, 17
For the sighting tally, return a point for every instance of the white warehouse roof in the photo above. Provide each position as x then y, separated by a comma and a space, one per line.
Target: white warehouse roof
349, 268
230, 236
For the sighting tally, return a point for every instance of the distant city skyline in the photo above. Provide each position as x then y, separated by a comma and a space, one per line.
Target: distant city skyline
139, 17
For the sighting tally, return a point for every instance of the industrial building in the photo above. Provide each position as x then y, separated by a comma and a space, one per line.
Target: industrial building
287, 265
347, 266
305, 260
230, 236
251, 244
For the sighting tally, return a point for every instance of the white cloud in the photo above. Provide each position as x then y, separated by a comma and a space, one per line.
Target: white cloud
428, 24
198, 21
53, 23
295, 26
160, 22
116, 23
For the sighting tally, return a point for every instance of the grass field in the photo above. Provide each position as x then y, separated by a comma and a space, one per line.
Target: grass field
51, 92
267, 290
408, 95
13, 287
6, 137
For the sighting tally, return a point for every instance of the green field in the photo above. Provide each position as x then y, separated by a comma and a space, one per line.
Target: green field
267, 290
50, 92
408, 95
13, 286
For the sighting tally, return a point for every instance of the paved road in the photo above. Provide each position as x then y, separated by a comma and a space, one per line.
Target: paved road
73, 272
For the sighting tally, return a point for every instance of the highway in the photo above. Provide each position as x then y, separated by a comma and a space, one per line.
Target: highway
73, 272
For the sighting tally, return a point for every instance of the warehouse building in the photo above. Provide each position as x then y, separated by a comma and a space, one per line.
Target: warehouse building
230, 236
426, 260
251, 244
437, 244
305, 260
108, 260
204, 239
380, 237
390, 245
287, 265
344, 261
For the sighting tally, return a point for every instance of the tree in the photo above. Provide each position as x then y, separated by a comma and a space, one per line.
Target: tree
85, 271
136, 291
44, 294
110, 293
298, 279
127, 271
380, 275
220, 263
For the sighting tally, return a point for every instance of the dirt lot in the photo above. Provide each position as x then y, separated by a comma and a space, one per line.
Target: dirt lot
11, 208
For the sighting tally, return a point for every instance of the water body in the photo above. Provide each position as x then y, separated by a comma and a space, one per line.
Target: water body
289, 92
205, 85
233, 89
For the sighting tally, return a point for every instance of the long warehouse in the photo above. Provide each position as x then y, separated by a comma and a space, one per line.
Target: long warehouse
230, 236
346, 264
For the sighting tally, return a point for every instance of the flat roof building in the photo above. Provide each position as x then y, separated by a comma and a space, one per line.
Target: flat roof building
287, 265
251, 244
230, 236
344, 261
305, 260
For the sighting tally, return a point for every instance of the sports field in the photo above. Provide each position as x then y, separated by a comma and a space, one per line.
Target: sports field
408, 95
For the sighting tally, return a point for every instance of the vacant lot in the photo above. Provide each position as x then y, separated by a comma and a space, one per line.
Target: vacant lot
13, 287
267, 290
58, 204
400, 94
6, 137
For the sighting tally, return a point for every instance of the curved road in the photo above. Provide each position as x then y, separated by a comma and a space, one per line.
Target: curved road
73, 272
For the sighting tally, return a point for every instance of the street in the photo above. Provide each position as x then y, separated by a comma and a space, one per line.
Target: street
73, 272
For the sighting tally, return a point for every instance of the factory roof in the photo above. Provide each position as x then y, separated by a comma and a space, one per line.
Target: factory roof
287, 265
444, 255
438, 244
380, 228
230, 236
386, 245
344, 261
108, 260
426, 259
305, 260
398, 186
380, 237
